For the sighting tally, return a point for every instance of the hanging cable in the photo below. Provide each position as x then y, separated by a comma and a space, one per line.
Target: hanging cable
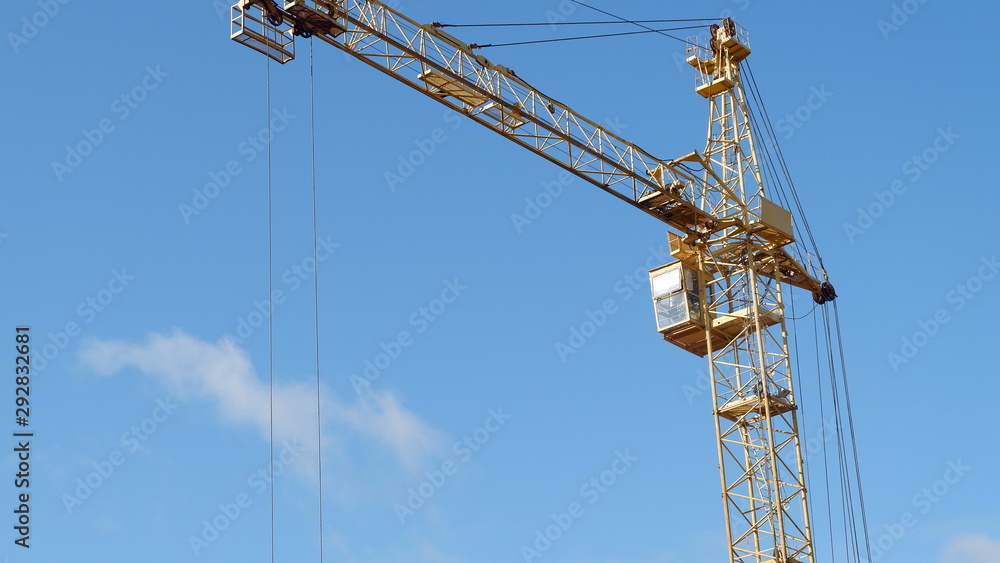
799, 398
764, 125
835, 398
823, 419
624, 20
599, 36
270, 316
854, 443
811, 311
553, 24
763, 129
856, 536
315, 235
784, 168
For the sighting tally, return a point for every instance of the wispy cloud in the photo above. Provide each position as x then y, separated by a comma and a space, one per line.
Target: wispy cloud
222, 374
971, 549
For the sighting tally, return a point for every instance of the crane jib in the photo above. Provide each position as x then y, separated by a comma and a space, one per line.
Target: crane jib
446, 69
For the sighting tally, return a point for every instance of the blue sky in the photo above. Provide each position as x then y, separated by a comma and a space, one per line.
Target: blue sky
150, 429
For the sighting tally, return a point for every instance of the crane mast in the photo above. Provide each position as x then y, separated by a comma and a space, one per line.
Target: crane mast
722, 296
760, 457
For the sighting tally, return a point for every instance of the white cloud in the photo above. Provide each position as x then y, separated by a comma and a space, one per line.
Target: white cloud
971, 549
223, 374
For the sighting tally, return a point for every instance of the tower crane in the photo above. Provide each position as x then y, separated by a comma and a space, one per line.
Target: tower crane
721, 298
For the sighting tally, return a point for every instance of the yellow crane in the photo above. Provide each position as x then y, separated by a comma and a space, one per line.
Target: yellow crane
722, 298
